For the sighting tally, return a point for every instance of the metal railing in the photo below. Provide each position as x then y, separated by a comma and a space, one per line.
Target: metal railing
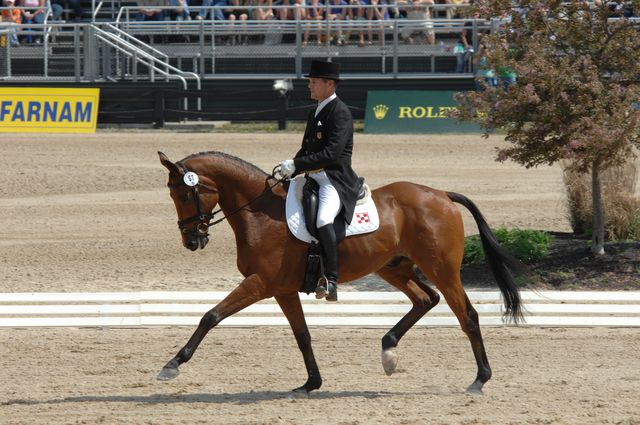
385, 43
386, 48
138, 53
84, 52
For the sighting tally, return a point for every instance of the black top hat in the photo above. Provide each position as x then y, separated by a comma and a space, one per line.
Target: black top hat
326, 70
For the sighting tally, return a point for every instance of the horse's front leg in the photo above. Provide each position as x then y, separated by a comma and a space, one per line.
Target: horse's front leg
292, 309
251, 290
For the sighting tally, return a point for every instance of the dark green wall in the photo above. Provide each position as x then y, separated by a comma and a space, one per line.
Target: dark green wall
235, 100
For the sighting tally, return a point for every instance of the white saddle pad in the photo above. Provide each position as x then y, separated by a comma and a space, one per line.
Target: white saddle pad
365, 218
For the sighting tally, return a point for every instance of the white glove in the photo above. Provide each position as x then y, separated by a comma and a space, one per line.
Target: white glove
287, 168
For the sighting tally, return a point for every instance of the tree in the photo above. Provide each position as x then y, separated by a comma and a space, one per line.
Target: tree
577, 91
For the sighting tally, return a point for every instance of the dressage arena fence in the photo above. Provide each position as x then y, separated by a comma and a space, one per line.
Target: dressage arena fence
358, 309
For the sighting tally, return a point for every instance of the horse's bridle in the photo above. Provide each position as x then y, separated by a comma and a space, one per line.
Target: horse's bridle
201, 216
191, 179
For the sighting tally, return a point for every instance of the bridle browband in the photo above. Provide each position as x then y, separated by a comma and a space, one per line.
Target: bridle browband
205, 218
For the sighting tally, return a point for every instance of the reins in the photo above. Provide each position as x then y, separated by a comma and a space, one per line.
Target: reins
264, 192
205, 218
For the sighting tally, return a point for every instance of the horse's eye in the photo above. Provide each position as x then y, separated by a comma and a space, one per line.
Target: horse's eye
185, 197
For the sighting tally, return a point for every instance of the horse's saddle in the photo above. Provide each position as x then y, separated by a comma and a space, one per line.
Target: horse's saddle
302, 218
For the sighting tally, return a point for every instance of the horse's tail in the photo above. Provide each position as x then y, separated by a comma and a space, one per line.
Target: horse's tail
501, 263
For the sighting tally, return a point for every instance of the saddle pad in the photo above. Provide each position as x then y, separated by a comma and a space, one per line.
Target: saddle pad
365, 218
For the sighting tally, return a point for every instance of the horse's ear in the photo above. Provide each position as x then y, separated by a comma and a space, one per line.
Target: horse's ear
168, 164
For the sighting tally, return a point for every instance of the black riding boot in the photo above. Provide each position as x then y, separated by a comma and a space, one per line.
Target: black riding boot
329, 246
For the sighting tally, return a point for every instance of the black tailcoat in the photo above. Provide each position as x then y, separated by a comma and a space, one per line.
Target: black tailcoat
328, 144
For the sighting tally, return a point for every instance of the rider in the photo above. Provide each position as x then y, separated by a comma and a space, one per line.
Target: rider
325, 156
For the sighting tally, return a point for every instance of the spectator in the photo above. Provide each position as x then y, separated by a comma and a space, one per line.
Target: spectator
453, 11
56, 9
315, 14
150, 10
359, 14
282, 9
622, 8
217, 12
58, 6
179, 10
34, 15
419, 11
506, 75
238, 13
338, 12
464, 47
484, 76
263, 10
377, 12
394, 10
299, 11
11, 15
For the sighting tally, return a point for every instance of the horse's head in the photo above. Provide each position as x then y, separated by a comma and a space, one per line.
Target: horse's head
194, 207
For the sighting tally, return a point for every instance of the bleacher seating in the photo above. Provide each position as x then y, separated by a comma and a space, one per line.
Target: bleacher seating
217, 48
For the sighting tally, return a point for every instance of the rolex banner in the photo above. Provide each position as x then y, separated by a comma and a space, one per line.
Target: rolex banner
413, 112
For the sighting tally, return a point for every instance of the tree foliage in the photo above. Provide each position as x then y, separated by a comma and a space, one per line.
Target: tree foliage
577, 93
578, 73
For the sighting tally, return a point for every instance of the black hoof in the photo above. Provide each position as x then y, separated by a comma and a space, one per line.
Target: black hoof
314, 381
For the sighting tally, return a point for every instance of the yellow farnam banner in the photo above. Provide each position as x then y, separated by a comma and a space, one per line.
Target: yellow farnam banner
48, 110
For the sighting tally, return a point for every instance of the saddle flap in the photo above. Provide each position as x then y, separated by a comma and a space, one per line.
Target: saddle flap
365, 219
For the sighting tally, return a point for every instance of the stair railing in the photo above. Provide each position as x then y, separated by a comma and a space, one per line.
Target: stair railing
140, 54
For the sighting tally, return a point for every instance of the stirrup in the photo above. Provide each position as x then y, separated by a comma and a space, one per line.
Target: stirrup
321, 288
327, 290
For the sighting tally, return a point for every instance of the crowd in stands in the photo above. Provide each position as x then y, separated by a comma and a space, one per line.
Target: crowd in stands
35, 12
313, 12
419, 13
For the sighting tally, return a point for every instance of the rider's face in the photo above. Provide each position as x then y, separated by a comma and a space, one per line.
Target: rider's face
321, 88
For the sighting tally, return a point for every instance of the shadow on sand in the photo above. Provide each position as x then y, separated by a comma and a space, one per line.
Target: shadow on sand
236, 398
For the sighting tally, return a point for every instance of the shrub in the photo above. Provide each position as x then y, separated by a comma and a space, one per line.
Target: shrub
621, 208
524, 245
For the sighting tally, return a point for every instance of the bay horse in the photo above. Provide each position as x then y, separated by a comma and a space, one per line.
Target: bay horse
420, 227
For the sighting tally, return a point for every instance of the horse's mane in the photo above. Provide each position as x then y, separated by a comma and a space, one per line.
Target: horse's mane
237, 161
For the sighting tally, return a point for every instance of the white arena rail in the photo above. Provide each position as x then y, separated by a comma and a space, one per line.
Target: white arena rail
361, 309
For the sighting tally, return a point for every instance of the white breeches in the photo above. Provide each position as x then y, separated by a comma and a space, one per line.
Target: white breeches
330, 205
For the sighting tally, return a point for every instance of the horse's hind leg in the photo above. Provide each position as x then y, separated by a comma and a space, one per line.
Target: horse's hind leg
400, 274
447, 280
251, 290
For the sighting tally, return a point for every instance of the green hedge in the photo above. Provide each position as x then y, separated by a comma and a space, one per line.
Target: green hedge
525, 245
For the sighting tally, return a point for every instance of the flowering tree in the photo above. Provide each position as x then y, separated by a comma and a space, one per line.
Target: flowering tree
577, 90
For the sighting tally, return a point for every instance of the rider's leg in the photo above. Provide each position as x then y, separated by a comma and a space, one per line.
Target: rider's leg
328, 209
327, 238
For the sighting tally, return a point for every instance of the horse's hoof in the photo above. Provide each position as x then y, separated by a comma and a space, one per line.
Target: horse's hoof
168, 373
298, 393
389, 361
474, 389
